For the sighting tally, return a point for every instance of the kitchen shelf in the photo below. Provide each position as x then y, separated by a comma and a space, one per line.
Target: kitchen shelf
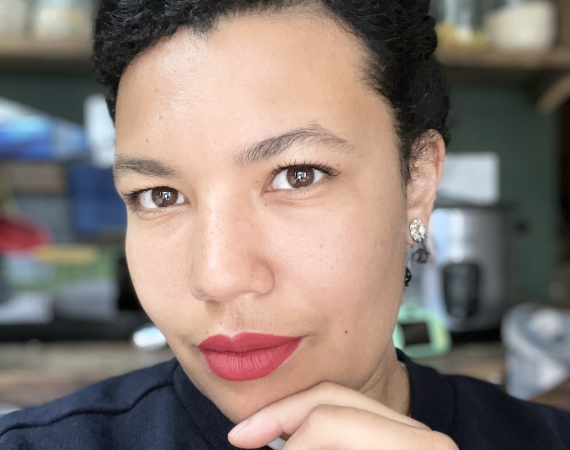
34, 177
56, 55
492, 60
547, 73
77, 53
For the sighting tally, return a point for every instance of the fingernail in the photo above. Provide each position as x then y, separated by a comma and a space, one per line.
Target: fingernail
242, 426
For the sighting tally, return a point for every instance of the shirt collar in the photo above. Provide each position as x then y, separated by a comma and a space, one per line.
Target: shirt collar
209, 420
432, 397
432, 401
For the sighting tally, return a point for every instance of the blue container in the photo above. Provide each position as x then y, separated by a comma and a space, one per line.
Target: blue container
42, 138
97, 207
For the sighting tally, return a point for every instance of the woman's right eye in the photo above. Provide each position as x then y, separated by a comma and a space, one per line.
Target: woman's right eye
160, 197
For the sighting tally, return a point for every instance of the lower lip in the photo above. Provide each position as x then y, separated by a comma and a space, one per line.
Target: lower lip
250, 365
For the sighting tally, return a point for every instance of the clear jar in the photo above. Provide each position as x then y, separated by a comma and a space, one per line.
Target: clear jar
13, 18
67, 19
522, 25
459, 23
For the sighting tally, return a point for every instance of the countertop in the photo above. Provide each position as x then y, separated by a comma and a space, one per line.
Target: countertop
33, 373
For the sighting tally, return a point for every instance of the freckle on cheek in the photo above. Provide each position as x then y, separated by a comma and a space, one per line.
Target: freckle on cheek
345, 331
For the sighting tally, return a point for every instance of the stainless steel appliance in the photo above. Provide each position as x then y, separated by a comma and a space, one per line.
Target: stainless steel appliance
467, 279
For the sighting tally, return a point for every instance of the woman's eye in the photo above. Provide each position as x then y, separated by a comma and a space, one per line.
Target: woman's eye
160, 197
296, 177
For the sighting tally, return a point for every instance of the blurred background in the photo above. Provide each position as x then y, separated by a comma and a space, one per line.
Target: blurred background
491, 299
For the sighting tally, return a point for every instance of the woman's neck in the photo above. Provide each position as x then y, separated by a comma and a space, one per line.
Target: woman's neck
390, 385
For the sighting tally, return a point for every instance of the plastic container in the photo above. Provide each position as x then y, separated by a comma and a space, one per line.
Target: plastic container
522, 25
73, 281
459, 23
537, 341
92, 301
67, 19
13, 18
41, 138
17, 236
97, 207
48, 268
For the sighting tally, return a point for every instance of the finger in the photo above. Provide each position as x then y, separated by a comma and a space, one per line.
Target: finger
287, 415
334, 427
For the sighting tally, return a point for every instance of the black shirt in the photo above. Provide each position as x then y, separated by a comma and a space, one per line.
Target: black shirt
159, 408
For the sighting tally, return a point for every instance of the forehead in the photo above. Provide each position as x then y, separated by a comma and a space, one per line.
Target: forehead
253, 75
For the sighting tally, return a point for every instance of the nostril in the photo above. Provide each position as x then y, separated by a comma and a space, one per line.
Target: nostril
228, 257
199, 293
226, 284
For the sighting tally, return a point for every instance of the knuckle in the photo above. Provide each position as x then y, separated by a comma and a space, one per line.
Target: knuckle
315, 429
441, 441
319, 418
322, 412
324, 386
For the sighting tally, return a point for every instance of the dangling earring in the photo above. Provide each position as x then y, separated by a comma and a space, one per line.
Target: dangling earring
418, 233
417, 230
408, 277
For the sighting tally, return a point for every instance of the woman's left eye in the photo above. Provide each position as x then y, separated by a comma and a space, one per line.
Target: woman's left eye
160, 197
297, 177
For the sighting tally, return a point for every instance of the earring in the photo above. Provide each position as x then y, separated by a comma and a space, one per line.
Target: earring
417, 230
408, 277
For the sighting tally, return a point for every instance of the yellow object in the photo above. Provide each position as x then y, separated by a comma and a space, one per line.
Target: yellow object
67, 254
450, 36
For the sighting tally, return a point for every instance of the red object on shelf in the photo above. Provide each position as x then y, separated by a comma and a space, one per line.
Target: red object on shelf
20, 236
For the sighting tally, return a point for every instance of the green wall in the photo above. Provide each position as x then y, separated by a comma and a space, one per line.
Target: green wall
60, 94
496, 118
503, 119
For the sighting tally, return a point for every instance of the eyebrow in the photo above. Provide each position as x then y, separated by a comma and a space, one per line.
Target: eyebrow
256, 153
311, 135
144, 166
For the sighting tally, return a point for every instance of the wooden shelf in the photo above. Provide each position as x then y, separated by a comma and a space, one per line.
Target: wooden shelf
34, 177
491, 60
58, 55
546, 72
77, 53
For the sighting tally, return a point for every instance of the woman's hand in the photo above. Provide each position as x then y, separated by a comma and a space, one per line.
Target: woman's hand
329, 416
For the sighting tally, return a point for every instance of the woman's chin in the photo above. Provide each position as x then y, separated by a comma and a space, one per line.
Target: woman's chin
238, 400
241, 408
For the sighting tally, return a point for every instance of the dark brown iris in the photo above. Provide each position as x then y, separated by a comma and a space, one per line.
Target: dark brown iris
300, 176
163, 197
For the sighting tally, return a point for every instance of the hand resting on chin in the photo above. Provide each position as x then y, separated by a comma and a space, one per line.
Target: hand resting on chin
329, 416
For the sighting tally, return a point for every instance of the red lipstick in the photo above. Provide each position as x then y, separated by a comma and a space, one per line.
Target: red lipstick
247, 356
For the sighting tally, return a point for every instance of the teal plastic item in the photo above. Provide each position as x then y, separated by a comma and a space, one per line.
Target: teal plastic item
420, 333
42, 138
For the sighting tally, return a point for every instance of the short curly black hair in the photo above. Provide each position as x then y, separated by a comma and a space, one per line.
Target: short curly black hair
398, 36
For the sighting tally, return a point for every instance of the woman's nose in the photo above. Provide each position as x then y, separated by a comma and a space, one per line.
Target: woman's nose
228, 260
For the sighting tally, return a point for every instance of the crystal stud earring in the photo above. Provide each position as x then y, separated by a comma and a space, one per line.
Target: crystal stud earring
417, 230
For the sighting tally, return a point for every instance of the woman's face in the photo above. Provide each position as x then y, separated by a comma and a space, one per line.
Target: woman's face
231, 242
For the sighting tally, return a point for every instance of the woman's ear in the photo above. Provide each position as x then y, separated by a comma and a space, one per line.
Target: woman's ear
425, 173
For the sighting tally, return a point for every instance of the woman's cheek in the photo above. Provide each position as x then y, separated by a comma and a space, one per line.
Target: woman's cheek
156, 265
338, 250
355, 266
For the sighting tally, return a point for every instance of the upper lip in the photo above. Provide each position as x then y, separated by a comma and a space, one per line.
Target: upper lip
243, 342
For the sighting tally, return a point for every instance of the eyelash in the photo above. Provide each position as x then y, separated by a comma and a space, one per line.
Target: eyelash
326, 170
323, 168
132, 198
